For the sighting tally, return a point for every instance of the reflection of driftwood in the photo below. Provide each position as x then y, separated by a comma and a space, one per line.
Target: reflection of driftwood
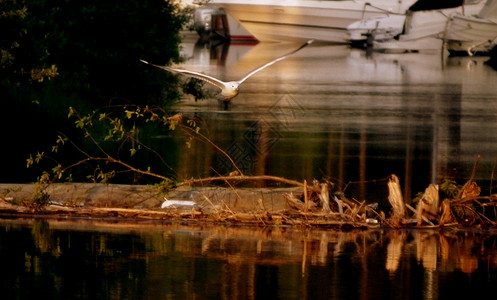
427, 249
396, 200
394, 251
428, 205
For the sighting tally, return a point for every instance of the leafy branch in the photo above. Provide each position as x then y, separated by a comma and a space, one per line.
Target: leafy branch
119, 124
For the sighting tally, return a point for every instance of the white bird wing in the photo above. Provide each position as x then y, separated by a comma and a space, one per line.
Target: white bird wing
214, 81
275, 61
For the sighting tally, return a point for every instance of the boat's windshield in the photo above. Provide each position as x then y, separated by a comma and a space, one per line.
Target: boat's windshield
439, 4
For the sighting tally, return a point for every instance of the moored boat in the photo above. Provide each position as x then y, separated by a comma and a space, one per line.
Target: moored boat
425, 25
473, 34
325, 20
376, 29
213, 23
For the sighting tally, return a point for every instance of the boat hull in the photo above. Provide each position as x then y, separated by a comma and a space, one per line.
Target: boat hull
303, 20
470, 35
425, 30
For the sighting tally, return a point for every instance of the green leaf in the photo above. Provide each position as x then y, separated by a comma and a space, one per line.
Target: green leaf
72, 112
29, 161
39, 156
129, 114
61, 140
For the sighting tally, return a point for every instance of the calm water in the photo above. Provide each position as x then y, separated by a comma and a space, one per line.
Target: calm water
94, 260
328, 112
340, 113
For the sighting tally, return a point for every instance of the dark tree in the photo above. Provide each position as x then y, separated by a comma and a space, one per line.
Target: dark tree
85, 54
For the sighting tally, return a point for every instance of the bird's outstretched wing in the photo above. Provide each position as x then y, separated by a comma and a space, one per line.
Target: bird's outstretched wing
214, 81
274, 61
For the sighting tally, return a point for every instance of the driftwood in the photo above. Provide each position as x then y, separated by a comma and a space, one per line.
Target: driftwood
293, 202
340, 206
469, 192
447, 216
303, 203
242, 178
306, 198
396, 200
324, 196
422, 217
428, 206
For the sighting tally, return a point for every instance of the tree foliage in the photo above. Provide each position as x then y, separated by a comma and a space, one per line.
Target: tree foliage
84, 54
112, 138
89, 46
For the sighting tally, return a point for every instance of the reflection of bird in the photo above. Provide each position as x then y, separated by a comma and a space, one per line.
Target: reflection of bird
229, 90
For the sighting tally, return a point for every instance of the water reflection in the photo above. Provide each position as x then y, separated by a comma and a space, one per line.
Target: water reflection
341, 113
83, 260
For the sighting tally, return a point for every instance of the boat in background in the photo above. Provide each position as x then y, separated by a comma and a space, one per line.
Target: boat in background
213, 23
376, 29
473, 34
301, 20
425, 25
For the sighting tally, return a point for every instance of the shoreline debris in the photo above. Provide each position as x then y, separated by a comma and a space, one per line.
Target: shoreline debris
177, 203
281, 202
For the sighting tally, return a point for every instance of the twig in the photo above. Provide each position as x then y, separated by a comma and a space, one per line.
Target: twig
232, 188
242, 178
207, 140
493, 175
471, 179
306, 198
492, 182
339, 203
416, 212
212, 204
366, 181
116, 161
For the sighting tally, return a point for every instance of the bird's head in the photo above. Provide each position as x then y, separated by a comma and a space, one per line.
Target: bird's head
230, 90
233, 85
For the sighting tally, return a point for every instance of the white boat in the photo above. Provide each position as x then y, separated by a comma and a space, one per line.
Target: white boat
473, 34
425, 25
325, 20
376, 29
213, 23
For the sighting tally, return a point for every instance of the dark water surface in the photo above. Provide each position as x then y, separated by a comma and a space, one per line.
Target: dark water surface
53, 259
328, 112
340, 113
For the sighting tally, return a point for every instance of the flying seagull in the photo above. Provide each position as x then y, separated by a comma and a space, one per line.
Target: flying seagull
230, 89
